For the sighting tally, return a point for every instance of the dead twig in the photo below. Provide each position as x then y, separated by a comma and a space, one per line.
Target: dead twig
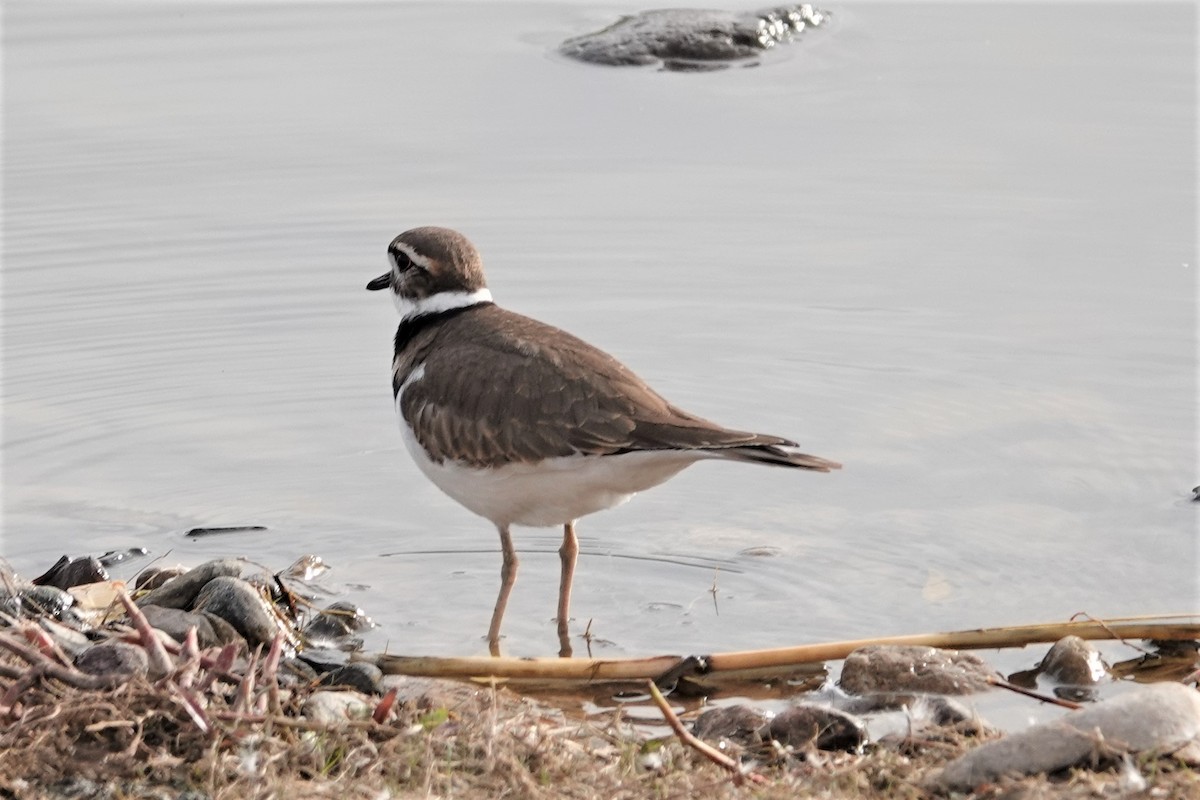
999, 682
711, 753
160, 662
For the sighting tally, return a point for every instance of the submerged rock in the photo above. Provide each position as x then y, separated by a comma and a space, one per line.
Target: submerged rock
692, 39
181, 592
211, 630
879, 669
68, 572
242, 606
1163, 718
739, 724
338, 621
805, 726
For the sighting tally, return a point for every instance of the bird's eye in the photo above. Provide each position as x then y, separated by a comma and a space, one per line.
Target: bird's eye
401, 260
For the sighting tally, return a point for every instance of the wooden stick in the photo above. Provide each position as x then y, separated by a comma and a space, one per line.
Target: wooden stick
589, 670
703, 748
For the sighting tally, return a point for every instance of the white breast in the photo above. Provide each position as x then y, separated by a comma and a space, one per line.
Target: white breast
546, 493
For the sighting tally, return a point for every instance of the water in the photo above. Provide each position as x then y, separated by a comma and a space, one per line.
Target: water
950, 245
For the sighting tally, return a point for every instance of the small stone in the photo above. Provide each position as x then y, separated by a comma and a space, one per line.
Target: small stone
293, 671
337, 621
46, 600
72, 642
211, 630
804, 726
324, 659
239, 604
1074, 662
1162, 718
893, 668
68, 572
360, 676
181, 592
335, 709
740, 724
153, 577
113, 658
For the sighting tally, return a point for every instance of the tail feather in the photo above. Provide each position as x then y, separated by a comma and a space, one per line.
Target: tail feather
778, 455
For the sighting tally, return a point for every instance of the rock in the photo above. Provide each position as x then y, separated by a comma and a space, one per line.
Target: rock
1162, 718
324, 659
239, 604
181, 592
153, 577
337, 621
293, 671
306, 568
805, 726
890, 668
71, 642
113, 658
1073, 662
46, 600
68, 572
211, 630
683, 39
360, 676
740, 724
335, 709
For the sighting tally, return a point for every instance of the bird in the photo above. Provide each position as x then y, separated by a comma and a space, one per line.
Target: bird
525, 424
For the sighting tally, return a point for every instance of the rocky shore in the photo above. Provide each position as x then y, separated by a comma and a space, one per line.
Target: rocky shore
224, 681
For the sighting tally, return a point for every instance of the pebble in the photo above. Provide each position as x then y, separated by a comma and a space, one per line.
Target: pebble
181, 592
1074, 662
337, 621
153, 577
1163, 718
805, 726
68, 572
903, 668
739, 724
360, 676
211, 630
241, 605
335, 709
113, 658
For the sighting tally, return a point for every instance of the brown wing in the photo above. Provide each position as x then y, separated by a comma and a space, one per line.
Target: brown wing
499, 387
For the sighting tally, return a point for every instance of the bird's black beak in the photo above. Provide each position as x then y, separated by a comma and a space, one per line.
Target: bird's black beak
382, 282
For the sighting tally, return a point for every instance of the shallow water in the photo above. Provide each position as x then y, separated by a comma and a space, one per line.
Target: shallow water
950, 245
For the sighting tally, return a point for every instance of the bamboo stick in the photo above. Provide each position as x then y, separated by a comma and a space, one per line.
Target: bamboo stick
783, 658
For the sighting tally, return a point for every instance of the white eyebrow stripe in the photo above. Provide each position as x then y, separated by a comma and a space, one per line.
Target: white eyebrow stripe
420, 260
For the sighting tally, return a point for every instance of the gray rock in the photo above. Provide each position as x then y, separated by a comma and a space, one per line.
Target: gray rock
181, 592
293, 671
113, 658
804, 726
239, 604
337, 621
740, 724
153, 577
684, 39
1074, 662
46, 600
324, 659
1162, 718
335, 709
72, 642
360, 676
927, 670
211, 630
68, 572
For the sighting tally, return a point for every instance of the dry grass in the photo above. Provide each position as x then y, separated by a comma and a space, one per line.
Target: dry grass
450, 740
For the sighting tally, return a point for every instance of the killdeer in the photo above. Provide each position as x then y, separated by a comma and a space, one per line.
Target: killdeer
525, 424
